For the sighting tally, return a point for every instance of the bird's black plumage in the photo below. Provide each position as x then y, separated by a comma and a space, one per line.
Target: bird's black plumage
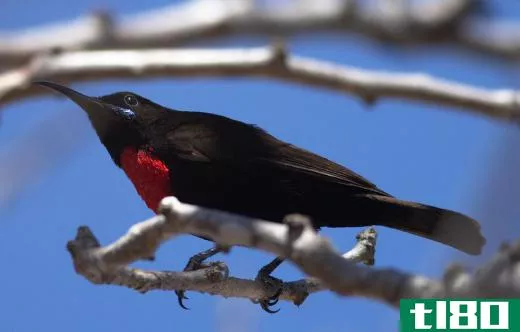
226, 164
229, 165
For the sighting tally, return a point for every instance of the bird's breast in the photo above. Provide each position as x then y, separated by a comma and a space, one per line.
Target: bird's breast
149, 175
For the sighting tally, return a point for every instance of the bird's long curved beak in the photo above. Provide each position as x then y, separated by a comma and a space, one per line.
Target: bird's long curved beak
89, 104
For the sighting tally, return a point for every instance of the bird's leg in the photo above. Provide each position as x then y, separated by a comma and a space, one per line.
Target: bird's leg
195, 263
264, 276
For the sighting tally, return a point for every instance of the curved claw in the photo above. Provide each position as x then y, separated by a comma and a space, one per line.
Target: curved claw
264, 304
267, 303
180, 298
271, 283
195, 263
275, 298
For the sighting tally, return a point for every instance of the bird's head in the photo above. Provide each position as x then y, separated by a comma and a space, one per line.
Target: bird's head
120, 119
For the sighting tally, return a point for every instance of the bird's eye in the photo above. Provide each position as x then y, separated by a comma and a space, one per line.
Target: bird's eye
131, 100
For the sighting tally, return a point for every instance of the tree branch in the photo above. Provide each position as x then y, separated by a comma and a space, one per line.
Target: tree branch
395, 21
91, 262
272, 62
296, 241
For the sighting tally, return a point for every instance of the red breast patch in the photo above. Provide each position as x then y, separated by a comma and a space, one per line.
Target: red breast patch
148, 174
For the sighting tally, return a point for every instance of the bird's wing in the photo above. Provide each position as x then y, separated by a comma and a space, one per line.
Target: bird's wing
302, 161
252, 148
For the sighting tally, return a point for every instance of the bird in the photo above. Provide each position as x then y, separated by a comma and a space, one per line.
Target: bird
221, 163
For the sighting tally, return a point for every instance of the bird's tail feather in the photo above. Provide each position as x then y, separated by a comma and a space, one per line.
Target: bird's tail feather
448, 227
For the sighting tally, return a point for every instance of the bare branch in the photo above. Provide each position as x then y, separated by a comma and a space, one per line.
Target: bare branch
271, 62
91, 262
297, 242
196, 20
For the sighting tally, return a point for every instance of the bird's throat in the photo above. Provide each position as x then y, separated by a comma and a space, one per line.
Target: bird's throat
149, 174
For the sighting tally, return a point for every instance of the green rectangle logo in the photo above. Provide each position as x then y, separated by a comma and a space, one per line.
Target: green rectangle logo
459, 315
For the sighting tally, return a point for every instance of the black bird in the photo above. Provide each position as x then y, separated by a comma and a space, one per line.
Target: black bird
220, 163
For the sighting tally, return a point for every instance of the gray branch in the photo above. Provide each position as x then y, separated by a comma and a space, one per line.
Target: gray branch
395, 21
104, 266
296, 241
272, 62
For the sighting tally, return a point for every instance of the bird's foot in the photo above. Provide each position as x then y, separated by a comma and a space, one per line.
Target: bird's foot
275, 286
196, 262
181, 296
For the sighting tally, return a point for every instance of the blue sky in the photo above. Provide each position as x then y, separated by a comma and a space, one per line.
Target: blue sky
421, 152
